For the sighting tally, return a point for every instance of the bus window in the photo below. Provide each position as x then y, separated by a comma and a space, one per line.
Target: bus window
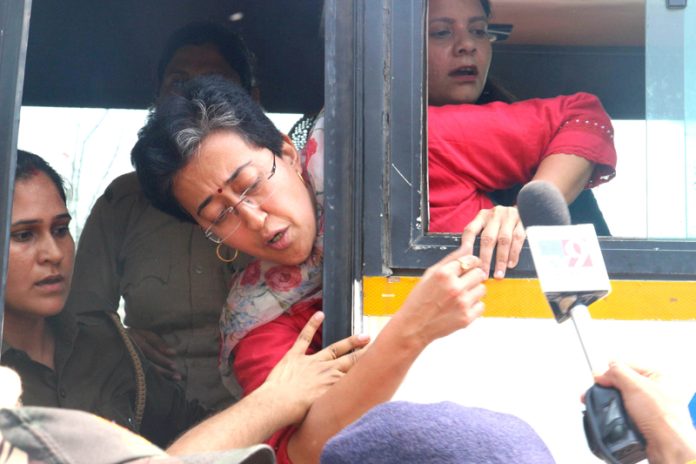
600, 47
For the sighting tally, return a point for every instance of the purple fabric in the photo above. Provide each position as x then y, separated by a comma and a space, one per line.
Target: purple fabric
401, 432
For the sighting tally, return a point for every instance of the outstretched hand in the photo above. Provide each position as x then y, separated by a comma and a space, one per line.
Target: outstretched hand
501, 229
447, 298
300, 378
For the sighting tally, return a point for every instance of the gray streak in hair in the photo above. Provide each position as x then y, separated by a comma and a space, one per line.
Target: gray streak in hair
211, 119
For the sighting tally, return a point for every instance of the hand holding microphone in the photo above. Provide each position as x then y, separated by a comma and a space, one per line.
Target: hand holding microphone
572, 275
667, 428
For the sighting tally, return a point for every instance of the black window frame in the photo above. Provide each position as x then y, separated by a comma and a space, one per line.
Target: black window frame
374, 202
14, 31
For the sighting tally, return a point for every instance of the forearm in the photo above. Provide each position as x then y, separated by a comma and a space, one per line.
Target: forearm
371, 381
250, 421
674, 445
570, 173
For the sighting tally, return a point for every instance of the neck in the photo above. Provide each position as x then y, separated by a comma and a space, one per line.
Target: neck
31, 335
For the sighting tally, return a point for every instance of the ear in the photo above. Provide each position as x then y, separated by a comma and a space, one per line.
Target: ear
290, 154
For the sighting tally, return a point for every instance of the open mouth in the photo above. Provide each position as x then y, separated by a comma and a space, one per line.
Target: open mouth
279, 240
276, 237
51, 280
464, 71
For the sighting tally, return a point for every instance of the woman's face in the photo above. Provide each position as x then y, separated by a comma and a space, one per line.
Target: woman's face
276, 222
41, 250
459, 51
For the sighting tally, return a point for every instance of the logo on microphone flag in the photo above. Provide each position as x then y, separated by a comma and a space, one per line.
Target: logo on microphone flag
567, 253
568, 259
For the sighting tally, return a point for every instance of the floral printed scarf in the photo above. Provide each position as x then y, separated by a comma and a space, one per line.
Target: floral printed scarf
264, 290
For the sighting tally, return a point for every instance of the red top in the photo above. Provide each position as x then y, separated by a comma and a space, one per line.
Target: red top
474, 149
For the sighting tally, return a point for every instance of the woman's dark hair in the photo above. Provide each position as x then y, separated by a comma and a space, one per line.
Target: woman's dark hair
179, 123
494, 91
29, 165
486, 5
230, 45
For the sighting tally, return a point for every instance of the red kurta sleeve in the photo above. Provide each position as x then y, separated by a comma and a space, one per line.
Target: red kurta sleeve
474, 149
260, 350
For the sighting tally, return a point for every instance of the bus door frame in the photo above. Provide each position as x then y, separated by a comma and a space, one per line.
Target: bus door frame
14, 31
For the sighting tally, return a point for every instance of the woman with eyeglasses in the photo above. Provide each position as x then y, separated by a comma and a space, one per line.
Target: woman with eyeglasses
211, 156
87, 362
477, 144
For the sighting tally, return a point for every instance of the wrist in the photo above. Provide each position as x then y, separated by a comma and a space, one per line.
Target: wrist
403, 336
281, 404
674, 446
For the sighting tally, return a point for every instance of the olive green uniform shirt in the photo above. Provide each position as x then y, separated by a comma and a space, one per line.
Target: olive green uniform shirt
168, 274
93, 372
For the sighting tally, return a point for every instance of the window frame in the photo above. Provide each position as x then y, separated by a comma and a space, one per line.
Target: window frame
378, 188
14, 28
412, 250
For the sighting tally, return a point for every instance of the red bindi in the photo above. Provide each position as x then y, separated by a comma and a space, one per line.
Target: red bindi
219, 190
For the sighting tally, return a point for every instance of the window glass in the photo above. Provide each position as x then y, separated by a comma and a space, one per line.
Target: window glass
666, 206
690, 115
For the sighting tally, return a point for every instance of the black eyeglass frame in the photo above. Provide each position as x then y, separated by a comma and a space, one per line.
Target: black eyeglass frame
208, 231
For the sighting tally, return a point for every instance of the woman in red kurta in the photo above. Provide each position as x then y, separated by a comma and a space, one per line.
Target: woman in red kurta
476, 149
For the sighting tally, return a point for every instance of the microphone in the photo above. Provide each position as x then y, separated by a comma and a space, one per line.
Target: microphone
567, 258
573, 275
540, 203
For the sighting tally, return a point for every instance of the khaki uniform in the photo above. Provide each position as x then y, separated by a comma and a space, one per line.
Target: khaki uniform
168, 275
93, 372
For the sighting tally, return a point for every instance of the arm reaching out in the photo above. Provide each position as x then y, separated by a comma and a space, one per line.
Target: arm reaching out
500, 227
567, 140
568, 172
291, 388
447, 298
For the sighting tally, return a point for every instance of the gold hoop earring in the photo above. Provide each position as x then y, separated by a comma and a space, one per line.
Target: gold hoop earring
217, 252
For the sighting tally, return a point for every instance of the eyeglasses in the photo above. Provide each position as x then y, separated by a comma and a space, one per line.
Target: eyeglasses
478, 33
256, 188
483, 34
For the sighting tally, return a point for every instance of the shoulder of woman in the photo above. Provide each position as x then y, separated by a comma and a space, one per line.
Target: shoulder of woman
124, 186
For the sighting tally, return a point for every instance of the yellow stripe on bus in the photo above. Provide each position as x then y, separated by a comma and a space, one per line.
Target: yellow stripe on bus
628, 300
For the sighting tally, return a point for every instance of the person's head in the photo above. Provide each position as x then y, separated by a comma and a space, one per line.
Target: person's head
205, 48
399, 431
459, 50
210, 155
41, 247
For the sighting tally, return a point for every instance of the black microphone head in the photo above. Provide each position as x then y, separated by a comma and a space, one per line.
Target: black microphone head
540, 203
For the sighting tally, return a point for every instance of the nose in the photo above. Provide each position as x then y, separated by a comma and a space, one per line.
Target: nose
464, 43
49, 251
253, 217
